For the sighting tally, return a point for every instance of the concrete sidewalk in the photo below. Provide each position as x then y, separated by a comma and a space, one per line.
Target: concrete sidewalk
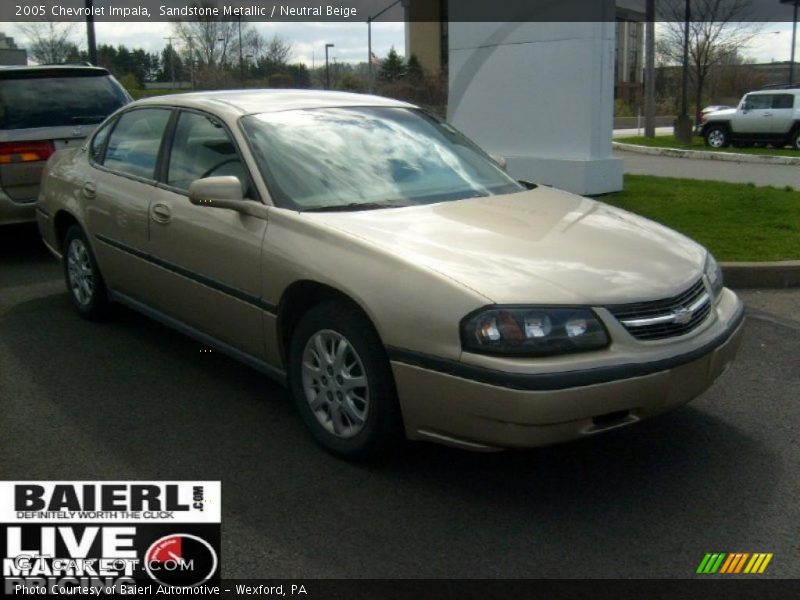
666, 166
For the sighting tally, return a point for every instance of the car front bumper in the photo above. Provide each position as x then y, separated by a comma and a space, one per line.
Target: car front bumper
485, 413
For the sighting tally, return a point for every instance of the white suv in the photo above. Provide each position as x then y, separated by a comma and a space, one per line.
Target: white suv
766, 117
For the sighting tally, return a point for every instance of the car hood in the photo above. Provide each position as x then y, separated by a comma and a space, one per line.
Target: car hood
725, 112
537, 246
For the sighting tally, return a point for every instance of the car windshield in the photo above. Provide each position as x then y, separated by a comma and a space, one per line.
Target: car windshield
27, 102
360, 158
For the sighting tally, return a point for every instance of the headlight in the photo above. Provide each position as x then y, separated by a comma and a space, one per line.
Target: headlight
532, 331
714, 275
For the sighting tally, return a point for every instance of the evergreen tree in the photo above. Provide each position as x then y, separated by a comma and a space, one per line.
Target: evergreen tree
393, 67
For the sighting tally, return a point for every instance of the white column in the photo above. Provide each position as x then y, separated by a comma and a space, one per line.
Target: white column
541, 95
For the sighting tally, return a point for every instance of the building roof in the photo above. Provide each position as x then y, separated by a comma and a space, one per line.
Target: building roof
245, 102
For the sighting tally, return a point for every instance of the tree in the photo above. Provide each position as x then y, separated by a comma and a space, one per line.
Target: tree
49, 42
414, 71
393, 67
717, 31
210, 39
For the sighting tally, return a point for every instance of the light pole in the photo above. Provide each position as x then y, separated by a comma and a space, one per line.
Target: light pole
91, 43
370, 19
327, 67
795, 4
650, 71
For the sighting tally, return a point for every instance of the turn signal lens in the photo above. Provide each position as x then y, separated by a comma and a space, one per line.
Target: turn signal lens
19, 152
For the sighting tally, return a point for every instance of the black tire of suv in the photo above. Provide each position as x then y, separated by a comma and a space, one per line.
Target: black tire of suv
796, 139
96, 307
382, 433
716, 130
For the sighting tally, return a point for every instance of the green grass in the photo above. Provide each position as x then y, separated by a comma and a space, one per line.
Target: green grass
737, 222
669, 141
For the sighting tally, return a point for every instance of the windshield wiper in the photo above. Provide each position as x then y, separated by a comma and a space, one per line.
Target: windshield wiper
355, 206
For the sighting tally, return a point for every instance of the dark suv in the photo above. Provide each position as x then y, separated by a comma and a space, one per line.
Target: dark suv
43, 109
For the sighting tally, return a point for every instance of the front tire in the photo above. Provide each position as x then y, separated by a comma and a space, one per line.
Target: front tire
717, 136
85, 284
342, 384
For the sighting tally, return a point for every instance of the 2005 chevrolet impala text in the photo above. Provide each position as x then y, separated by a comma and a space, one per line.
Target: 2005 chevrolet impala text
387, 269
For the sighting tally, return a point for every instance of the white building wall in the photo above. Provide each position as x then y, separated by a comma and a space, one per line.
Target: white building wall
541, 95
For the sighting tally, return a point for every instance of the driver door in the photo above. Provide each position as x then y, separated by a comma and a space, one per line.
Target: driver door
208, 273
755, 115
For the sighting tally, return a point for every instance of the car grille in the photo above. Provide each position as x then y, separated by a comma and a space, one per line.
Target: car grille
667, 318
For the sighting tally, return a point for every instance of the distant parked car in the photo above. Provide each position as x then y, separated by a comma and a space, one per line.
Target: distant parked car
763, 117
387, 269
43, 109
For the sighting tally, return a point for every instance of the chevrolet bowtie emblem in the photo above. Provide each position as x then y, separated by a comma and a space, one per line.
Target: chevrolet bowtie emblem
682, 316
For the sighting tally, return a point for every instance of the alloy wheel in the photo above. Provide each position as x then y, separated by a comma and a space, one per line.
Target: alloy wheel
335, 383
716, 139
79, 272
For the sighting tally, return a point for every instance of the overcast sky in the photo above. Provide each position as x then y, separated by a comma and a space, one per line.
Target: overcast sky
308, 40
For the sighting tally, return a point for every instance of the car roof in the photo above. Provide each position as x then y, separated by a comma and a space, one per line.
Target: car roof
246, 102
777, 90
51, 70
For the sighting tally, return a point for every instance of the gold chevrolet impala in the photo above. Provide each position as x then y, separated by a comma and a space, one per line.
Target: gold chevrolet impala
386, 269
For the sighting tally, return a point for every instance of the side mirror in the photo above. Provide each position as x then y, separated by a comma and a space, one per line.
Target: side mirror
500, 160
224, 192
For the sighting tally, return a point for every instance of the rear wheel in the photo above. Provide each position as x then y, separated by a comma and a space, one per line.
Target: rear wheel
85, 284
342, 384
796, 139
717, 136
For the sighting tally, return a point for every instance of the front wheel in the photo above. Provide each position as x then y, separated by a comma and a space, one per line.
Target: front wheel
718, 137
342, 384
87, 290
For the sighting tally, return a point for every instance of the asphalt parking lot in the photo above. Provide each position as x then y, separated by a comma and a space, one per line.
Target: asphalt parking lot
130, 399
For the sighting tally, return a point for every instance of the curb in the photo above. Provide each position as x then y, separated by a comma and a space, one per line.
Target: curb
782, 274
762, 159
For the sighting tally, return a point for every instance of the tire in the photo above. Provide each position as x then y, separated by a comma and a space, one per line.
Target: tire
717, 136
795, 137
350, 420
85, 284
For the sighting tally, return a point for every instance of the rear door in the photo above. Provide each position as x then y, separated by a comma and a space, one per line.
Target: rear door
43, 110
783, 111
209, 274
117, 194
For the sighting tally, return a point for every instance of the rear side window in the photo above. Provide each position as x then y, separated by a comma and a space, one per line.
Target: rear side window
99, 141
134, 143
31, 102
202, 148
783, 101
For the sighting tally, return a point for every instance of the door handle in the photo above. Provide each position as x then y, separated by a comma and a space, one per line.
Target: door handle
89, 190
161, 213
767, 114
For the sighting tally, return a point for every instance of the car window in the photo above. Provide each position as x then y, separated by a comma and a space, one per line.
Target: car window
134, 143
324, 158
99, 140
202, 148
758, 101
35, 101
783, 101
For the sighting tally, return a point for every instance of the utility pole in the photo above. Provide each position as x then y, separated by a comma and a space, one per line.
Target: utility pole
191, 61
683, 124
91, 41
171, 51
650, 71
327, 67
241, 53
